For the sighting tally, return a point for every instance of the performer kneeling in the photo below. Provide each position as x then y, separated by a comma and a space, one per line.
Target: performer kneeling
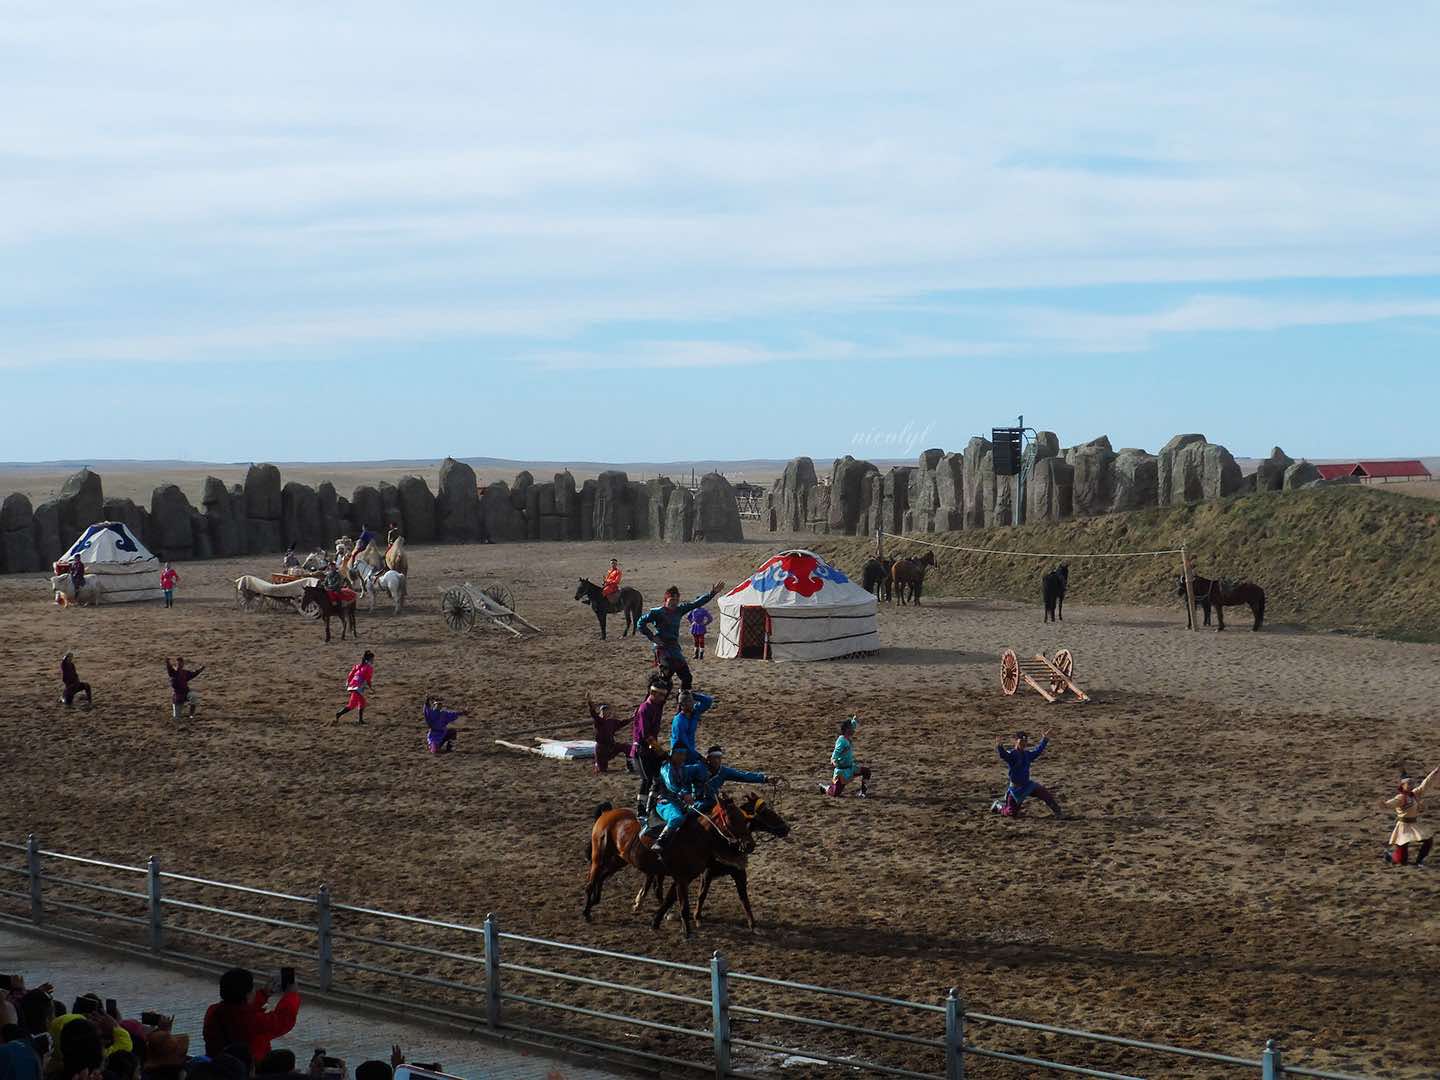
1021, 787
843, 760
439, 734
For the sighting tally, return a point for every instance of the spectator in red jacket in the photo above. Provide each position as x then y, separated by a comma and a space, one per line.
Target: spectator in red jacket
240, 1016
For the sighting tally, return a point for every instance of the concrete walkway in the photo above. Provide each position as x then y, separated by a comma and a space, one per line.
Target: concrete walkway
356, 1037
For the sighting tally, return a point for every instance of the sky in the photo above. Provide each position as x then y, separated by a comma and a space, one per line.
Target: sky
564, 232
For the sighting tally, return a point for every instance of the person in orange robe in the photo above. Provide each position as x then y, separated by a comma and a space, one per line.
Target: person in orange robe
612, 579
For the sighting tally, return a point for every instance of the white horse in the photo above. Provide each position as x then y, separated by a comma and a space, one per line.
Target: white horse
372, 581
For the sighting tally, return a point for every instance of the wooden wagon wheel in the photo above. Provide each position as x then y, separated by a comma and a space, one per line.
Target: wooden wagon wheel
1009, 672
1065, 663
500, 593
458, 609
249, 601
309, 608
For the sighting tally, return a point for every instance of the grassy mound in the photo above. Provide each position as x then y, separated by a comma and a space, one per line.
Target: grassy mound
1351, 558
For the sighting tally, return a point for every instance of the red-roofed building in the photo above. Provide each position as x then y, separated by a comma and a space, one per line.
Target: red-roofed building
1383, 471
1394, 470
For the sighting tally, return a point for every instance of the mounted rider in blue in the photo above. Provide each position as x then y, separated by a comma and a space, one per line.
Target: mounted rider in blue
693, 705
720, 773
684, 786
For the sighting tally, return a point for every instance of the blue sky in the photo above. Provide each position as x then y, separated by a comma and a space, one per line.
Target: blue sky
678, 231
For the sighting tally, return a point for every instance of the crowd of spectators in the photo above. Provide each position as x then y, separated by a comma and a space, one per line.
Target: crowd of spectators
41, 1038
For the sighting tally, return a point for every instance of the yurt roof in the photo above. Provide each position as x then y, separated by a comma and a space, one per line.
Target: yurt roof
108, 542
796, 579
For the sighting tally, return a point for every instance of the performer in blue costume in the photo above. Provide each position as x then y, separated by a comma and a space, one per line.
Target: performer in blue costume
661, 626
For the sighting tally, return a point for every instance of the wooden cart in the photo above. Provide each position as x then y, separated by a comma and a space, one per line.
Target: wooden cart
1050, 678
464, 607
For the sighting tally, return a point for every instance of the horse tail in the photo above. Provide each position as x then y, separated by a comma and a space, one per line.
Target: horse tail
1260, 608
602, 808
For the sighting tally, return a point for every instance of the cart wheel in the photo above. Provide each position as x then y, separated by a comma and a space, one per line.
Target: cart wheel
1009, 672
500, 593
309, 608
458, 609
250, 601
1066, 665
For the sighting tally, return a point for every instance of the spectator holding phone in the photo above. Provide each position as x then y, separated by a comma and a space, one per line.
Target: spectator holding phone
240, 1015
89, 1008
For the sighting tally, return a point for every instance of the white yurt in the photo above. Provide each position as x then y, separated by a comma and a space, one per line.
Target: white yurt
118, 567
797, 606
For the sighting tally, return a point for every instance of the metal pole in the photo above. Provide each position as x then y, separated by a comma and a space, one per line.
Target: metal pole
325, 936
720, 1014
1270, 1068
879, 543
954, 1037
32, 868
1189, 589
492, 972
157, 919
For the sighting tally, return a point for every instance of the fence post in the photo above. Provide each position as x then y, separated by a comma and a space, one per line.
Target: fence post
1270, 1068
157, 919
954, 1037
720, 1013
492, 972
323, 930
32, 868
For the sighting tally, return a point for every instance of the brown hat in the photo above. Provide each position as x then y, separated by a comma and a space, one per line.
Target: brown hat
163, 1048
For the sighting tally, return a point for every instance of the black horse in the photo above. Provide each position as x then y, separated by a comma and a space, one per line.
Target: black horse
875, 577
344, 610
1054, 585
1213, 592
627, 600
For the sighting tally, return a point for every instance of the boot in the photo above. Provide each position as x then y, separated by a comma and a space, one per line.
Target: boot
658, 848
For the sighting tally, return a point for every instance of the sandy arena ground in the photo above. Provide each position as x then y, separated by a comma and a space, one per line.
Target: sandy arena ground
1219, 882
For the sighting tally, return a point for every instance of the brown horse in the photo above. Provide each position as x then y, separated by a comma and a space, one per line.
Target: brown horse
615, 840
763, 817
1213, 592
344, 610
910, 574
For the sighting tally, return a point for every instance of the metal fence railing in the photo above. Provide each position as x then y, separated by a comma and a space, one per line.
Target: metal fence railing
705, 1018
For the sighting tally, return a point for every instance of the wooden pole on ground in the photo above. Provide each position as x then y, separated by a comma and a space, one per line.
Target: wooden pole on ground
1189, 589
880, 543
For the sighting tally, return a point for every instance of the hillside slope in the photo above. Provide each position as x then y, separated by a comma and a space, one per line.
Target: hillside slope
1351, 558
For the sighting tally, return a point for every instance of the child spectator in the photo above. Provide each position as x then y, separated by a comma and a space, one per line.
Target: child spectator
700, 619
168, 578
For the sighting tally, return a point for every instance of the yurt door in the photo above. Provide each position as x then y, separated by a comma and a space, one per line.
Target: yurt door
754, 633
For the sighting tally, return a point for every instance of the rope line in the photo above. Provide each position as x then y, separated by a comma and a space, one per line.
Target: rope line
1034, 554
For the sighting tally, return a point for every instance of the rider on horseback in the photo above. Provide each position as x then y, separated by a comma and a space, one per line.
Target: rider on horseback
645, 749
661, 626
720, 773
331, 581
611, 585
682, 786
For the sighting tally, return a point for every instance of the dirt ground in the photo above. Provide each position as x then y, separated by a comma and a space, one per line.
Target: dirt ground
1218, 882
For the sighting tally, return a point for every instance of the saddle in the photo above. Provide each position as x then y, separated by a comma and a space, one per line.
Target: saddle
341, 596
1227, 585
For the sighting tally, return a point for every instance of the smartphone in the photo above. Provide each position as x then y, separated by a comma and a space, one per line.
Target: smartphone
150, 1019
287, 978
112, 1009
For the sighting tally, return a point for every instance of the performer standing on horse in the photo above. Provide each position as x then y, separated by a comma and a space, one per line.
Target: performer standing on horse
693, 705
682, 787
1018, 759
645, 749
611, 585
661, 626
